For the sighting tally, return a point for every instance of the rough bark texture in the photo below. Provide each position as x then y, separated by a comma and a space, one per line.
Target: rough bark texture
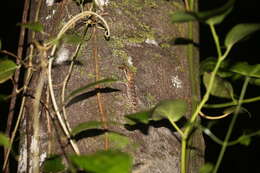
141, 35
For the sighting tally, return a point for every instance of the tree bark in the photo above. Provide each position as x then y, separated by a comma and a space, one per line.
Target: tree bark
141, 39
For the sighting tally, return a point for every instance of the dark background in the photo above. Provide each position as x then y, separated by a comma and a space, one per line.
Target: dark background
237, 158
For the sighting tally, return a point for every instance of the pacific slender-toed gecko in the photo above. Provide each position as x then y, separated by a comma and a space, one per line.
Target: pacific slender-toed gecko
130, 85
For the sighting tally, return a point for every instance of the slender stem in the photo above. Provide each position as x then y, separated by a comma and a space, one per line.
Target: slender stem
204, 99
216, 40
219, 141
16, 77
231, 126
176, 127
233, 103
63, 125
183, 154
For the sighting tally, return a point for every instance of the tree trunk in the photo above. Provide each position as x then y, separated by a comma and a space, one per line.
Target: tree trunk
140, 53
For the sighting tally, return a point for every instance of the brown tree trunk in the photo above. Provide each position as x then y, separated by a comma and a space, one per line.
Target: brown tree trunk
141, 40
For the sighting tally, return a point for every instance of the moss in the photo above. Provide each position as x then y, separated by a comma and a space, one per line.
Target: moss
151, 3
91, 75
120, 53
151, 100
117, 43
133, 69
178, 5
165, 45
157, 56
136, 40
135, 4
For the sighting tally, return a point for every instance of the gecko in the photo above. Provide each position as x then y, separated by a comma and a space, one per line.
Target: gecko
130, 85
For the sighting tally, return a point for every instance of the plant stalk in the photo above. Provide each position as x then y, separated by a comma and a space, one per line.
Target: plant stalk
231, 126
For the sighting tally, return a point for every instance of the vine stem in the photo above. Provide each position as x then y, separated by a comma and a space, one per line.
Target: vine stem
26, 79
221, 142
233, 103
176, 127
72, 22
63, 125
64, 29
216, 40
204, 99
231, 126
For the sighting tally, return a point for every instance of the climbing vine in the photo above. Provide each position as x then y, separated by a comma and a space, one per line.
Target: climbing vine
173, 110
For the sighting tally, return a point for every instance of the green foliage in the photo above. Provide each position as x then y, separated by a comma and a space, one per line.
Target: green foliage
232, 109
86, 126
4, 140
34, 26
211, 17
181, 16
72, 38
213, 69
245, 140
3, 97
208, 65
254, 81
216, 16
7, 69
206, 168
104, 162
167, 109
90, 125
81, 89
119, 141
139, 117
53, 164
243, 68
239, 32
170, 109
221, 88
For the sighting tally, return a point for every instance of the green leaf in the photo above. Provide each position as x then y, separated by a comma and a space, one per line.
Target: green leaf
104, 162
211, 17
254, 81
243, 68
79, 90
4, 140
117, 140
0, 44
232, 109
72, 39
86, 126
3, 97
7, 69
220, 88
182, 16
239, 32
245, 140
216, 16
206, 168
209, 64
170, 109
34, 26
53, 164
139, 117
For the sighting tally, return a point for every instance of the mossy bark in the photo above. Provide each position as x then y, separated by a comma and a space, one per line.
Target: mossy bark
142, 38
